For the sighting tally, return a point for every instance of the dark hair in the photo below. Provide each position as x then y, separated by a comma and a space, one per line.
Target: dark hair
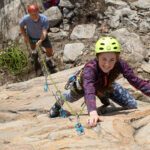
114, 73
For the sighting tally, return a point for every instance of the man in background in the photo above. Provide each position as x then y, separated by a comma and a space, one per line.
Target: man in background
34, 27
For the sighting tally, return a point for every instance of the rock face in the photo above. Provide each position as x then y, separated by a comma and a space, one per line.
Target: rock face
24, 121
76, 21
24, 106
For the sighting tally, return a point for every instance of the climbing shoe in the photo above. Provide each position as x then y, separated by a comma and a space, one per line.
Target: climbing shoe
55, 111
34, 57
51, 66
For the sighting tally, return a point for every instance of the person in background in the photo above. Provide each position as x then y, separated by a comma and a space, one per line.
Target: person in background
98, 79
34, 27
49, 3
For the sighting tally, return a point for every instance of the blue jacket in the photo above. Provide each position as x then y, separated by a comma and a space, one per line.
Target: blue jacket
94, 80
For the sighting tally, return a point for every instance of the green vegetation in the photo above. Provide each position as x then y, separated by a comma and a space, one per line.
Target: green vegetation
13, 60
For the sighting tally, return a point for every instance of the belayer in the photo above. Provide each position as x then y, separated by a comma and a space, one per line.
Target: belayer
98, 79
34, 27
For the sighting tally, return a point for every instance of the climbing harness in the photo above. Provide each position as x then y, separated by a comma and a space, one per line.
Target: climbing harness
58, 96
75, 80
70, 82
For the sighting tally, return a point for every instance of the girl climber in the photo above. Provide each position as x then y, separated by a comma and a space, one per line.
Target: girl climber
98, 79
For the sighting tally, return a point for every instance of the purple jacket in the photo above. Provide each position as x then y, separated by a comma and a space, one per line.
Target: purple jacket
95, 79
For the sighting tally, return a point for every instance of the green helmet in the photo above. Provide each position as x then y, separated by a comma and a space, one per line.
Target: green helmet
107, 44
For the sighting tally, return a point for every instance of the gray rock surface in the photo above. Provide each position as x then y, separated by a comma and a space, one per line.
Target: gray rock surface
24, 121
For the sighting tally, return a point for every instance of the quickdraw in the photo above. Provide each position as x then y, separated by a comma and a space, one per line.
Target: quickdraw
46, 85
79, 128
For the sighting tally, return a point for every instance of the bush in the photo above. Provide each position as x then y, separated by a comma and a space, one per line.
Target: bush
14, 60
